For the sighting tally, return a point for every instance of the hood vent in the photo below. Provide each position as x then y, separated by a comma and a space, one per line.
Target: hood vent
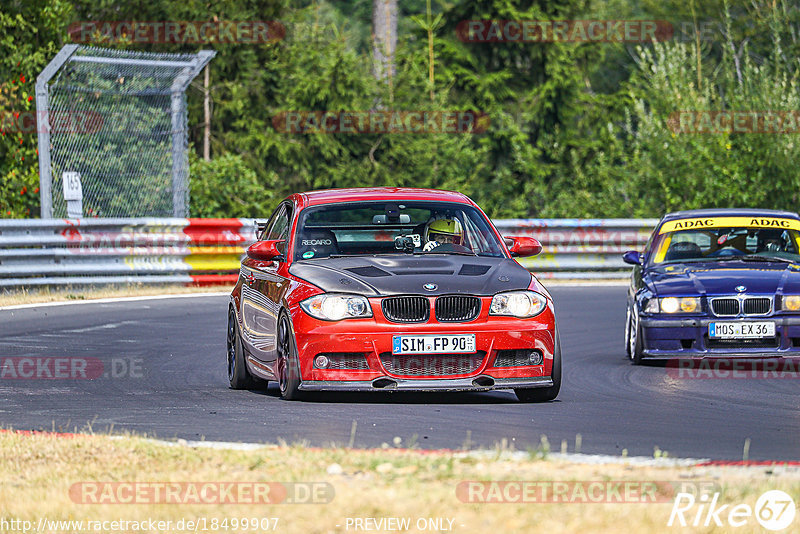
369, 271
469, 269
424, 272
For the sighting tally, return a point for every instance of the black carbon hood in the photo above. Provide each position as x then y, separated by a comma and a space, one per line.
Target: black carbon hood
402, 275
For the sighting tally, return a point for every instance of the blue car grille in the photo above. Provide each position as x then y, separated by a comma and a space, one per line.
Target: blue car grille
731, 306
725, 307
757, 306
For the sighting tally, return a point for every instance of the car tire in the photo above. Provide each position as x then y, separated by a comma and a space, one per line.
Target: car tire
627, 339
548, 393
635, 344
238, 375
288, 363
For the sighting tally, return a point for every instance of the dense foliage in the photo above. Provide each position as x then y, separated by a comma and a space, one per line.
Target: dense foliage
576, 129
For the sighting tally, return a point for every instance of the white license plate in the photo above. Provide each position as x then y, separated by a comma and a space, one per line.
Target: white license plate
751, 330
434, 344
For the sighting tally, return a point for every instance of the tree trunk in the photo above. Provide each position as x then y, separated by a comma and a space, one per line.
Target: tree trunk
384, 38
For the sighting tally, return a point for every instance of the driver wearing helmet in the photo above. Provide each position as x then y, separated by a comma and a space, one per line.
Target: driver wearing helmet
443, 232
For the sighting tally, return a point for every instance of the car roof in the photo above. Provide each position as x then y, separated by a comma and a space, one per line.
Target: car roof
729, 212
355, 194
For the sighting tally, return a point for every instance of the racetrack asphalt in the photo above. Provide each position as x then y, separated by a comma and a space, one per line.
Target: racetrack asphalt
169, 356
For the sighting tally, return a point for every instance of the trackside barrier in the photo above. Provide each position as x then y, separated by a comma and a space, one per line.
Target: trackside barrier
52, 252
39, 252
580, 248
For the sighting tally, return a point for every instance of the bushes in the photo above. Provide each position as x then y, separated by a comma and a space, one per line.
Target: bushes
577, 129
227, 187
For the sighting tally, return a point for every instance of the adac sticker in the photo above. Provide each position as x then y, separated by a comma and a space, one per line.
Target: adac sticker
309, 254
729, 222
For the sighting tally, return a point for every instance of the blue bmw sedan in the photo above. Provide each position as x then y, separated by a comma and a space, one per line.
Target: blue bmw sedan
716, 283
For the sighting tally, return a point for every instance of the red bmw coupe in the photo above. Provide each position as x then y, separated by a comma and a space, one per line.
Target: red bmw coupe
389, 289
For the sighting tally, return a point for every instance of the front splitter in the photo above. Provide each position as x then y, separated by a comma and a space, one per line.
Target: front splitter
388, 383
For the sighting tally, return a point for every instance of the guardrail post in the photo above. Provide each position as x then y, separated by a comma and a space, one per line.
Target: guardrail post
43, 128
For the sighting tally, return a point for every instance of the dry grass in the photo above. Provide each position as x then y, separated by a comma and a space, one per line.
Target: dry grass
38, 471
46, 294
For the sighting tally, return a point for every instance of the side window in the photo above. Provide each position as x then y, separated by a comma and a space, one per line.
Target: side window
270, 223
648, 247
279, 226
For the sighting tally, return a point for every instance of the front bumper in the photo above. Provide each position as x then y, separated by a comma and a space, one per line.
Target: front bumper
386, 383
687, 337
372, 338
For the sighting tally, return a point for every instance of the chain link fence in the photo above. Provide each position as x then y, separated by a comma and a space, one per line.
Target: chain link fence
118, 119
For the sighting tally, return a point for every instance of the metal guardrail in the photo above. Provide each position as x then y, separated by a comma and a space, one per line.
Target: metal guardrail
580, 248
45, 252
39, 252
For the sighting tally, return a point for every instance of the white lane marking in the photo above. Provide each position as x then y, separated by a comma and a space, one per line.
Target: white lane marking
99, 327
112, 300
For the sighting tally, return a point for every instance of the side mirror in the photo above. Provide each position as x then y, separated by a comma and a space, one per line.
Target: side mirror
632, 257
264, 250
523, 246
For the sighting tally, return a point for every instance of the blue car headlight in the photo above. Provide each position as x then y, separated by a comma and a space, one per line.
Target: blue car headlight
673, 305
790, 302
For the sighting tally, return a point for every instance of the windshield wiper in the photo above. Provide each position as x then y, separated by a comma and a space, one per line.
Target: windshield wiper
698, 260
457, 253
758, 257
360, 255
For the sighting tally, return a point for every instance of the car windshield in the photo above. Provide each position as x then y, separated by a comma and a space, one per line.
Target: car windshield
413, 227
727, 243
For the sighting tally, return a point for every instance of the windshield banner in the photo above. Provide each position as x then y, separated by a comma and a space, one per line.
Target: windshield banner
728, 222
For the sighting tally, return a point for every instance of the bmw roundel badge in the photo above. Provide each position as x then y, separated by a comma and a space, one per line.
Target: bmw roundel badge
740, 289
430, 287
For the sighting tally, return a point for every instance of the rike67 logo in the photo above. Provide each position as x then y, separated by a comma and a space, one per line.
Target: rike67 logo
774, 510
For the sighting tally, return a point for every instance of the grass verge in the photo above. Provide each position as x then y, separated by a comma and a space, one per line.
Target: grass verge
47, 294
40, 471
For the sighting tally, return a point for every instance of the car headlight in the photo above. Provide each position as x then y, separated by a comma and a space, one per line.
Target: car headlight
520, 304
336, 307
790, 303
679, 304
651, 306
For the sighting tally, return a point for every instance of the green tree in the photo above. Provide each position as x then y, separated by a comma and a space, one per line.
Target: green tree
31, 33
